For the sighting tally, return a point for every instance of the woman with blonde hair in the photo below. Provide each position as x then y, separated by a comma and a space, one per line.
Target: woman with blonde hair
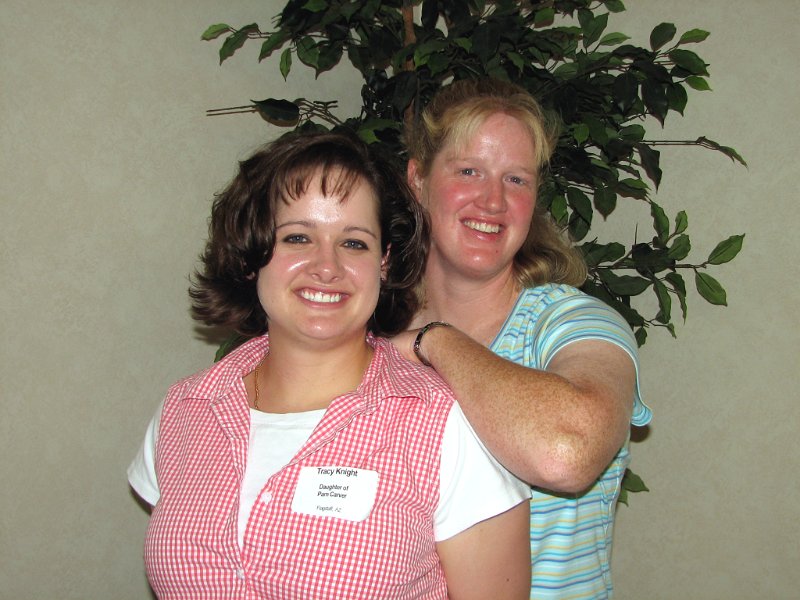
546, 374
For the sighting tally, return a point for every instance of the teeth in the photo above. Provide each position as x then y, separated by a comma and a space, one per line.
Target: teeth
482, 227
320, 297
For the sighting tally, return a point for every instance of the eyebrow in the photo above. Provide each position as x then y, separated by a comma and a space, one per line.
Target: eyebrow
313, 225
454, 158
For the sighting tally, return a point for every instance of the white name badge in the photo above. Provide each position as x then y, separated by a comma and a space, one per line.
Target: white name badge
340, 492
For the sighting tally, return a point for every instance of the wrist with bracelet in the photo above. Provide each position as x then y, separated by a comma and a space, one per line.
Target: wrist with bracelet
418, 339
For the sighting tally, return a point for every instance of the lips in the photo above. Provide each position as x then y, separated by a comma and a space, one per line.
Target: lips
321, 297
481, 226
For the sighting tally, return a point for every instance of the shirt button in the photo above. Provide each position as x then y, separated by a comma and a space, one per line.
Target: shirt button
239, 574
266, 497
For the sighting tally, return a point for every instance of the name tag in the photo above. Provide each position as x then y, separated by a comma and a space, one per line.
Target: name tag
340, 492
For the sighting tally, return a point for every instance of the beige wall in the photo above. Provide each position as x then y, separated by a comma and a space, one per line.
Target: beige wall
107, 171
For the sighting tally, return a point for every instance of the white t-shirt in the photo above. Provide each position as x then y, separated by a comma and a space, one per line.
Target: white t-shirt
473, 485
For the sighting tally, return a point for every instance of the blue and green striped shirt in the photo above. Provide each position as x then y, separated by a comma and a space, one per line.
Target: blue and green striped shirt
570, 534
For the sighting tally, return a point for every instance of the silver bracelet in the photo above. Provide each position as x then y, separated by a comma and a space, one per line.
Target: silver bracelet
422, 332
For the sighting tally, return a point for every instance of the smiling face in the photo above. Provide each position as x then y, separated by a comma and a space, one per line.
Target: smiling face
321, 285
480, 197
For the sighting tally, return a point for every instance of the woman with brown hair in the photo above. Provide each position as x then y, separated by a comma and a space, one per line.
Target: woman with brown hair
314, 461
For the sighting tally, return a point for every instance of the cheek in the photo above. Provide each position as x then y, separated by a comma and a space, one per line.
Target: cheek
286, 263
444, 199
522, 207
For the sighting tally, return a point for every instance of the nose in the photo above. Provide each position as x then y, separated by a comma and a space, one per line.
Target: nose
493, 199
325, 265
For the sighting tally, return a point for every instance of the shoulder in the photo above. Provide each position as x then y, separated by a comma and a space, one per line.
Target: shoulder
399, 376
215, 379
555, 296
562, 308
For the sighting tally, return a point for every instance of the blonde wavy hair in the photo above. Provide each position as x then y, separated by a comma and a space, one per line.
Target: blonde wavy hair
452, 116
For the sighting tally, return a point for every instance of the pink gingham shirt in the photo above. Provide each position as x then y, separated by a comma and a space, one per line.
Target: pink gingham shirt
392, 424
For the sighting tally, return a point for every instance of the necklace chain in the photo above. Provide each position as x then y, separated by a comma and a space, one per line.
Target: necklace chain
255, 401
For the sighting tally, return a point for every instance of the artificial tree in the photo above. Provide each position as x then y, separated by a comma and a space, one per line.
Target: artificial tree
605, 90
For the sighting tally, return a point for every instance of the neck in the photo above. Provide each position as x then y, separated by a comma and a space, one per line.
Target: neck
295, 379
477, 307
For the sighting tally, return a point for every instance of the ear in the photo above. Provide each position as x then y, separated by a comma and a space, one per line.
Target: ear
414, 178
385, 263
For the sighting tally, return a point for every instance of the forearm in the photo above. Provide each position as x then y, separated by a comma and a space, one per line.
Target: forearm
549, 430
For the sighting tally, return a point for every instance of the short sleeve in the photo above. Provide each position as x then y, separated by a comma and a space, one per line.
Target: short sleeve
573, 318
142, 470
473, 485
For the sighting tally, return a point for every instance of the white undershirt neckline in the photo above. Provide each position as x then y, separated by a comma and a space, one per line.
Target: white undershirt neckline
467, 470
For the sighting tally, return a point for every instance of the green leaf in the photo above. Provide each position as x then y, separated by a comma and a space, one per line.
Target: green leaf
308, 51
726, 250
282, 112
632, 188
679, 288
543, 17
677, 97
463, 43
275, 40
404, 90
329, 56
698, 83
631, 482
605, 200
593, 28
681, 222
633, 318
566, 70
286, 62
517, 60
649, 260
424, 51
688, 60
348, 10
594, 253
368, 127
235, 41
641, 337
626, 90
693, 36
624, 285
439, 62
214, 31
485, 40
559, 209
315, 5
613, 39
664, 302
660, 222
229, 344
580, 203
726, 150
650, 163
633, 132
581, 132
614, 6
710, 289
654, 96
680, 248
662, 34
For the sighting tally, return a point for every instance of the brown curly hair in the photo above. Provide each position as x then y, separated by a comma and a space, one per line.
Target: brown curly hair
242, 227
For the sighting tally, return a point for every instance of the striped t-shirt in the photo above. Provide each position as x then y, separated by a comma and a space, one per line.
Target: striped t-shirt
570, 534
